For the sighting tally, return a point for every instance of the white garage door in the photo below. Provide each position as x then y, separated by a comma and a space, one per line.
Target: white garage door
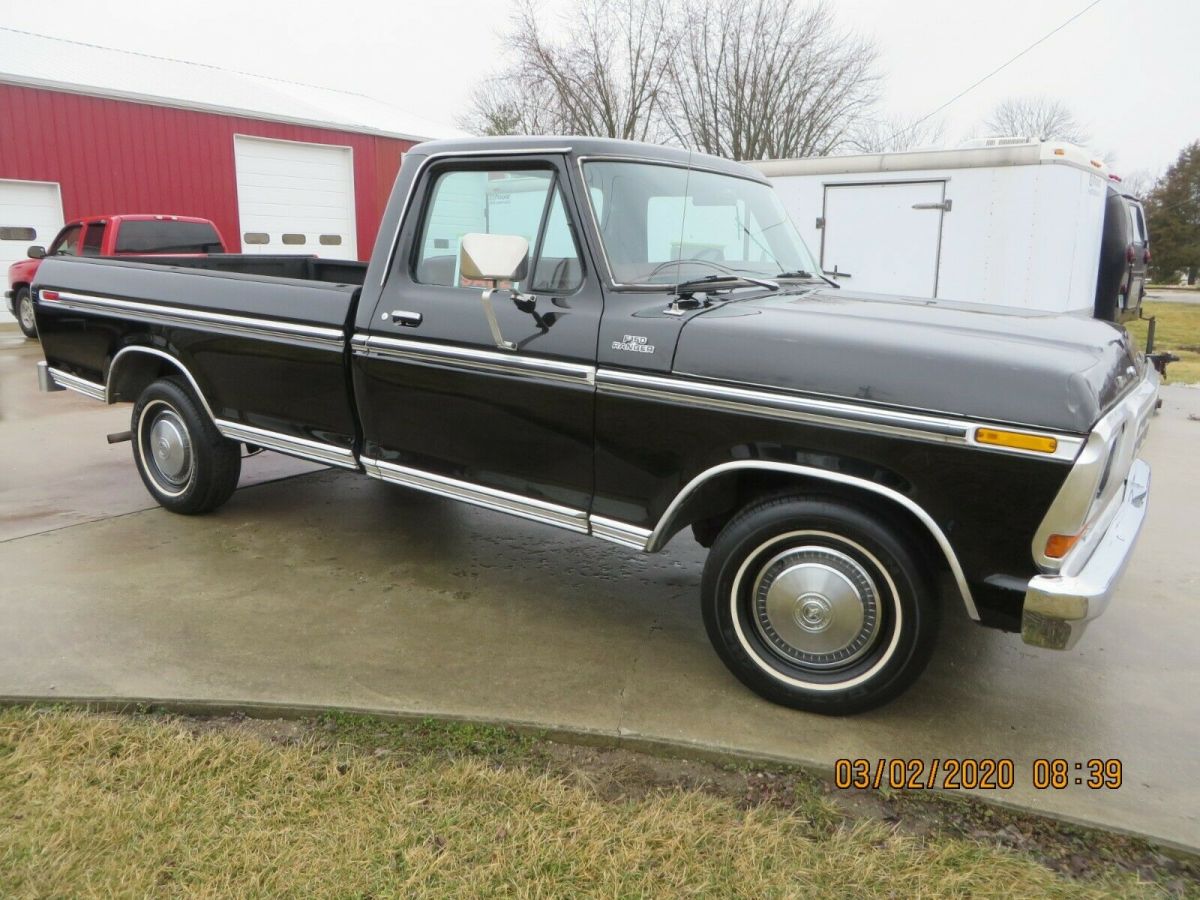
295, 198
30, 213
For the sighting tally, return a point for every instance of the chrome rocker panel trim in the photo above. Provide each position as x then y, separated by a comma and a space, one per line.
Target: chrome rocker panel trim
478, 495
619, 532
379, 347
286, 443
75, 383
243, 326
1059, 607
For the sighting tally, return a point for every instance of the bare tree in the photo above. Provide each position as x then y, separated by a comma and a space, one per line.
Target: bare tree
756, 79
1138, 183
605, 76
505, 106
1040, 118
887, 134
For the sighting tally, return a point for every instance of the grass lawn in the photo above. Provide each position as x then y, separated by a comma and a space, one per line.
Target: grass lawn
98, 805
1178, 330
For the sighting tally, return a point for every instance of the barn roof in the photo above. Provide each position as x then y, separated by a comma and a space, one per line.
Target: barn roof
36, 60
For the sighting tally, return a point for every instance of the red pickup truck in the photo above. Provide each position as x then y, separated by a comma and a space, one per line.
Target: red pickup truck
129, 236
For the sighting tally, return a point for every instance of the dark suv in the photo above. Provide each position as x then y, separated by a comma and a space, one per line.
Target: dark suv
1124, 255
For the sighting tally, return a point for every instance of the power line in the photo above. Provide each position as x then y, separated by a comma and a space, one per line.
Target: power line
999, 68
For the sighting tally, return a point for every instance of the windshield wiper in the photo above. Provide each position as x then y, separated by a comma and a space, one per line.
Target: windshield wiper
717, 282
798, 273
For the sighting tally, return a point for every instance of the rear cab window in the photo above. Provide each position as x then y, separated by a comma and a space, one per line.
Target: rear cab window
524, 202
167, 236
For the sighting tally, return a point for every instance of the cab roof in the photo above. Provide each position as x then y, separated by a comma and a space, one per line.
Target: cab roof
587, 147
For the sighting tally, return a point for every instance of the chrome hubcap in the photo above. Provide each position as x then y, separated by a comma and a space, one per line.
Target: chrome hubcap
816, 606
170, 448
26, 312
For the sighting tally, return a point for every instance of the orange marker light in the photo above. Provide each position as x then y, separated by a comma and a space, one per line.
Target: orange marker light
1059, 545
1016, 439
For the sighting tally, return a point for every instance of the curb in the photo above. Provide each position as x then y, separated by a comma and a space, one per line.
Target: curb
655, 746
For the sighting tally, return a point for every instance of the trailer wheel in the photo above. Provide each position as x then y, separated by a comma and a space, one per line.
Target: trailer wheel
185, 463
23, 302
818, 605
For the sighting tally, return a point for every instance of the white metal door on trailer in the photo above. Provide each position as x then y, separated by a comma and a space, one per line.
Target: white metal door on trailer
886, 236
30, 213
295, 197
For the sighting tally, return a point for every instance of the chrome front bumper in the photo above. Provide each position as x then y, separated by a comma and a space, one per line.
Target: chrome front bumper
1058, 607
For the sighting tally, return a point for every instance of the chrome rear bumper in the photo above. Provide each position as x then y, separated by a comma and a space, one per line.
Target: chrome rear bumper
1058, 607
46, 382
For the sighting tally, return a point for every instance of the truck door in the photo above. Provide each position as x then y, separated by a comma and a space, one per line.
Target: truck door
443, 407
887, 236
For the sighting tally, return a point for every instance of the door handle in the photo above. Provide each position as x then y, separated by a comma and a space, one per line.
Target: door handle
944, 206
405, 318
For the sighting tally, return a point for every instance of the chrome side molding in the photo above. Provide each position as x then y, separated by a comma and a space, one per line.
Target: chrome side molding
821, 411
521, 365
242, 326
478, 495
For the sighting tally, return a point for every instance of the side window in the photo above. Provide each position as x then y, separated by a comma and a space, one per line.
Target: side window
93, 239
519, 202
65, 243
558, 270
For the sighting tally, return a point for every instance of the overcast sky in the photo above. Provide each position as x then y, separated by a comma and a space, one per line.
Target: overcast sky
1128, 68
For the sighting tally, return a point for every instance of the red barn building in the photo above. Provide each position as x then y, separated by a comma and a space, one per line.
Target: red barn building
280, 167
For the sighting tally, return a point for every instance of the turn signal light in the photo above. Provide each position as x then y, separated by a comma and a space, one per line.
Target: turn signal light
1059, 545
1016, 439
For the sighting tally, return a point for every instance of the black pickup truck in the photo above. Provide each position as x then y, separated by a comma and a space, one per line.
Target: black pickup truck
628, 341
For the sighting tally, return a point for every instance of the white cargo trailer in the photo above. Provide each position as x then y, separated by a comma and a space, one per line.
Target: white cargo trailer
1008, 222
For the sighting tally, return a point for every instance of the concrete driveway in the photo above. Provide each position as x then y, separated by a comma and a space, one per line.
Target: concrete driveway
329, 589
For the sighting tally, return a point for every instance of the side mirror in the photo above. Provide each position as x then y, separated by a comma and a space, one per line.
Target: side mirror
37, 251
494, 258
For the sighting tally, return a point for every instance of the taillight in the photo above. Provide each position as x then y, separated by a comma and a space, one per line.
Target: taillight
1129, 254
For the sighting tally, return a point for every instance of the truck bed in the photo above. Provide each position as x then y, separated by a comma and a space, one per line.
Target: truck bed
266, 336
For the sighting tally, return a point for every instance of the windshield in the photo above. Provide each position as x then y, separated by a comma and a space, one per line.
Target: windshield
662, 225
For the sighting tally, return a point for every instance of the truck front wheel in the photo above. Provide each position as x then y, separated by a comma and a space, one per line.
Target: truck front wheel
185, 463
23, 303
817, 605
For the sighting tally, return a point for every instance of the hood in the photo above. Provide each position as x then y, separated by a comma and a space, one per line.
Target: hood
1000, 364
22, 271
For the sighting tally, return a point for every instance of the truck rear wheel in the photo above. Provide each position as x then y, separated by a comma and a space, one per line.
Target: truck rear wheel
817, 605
185, 463
23, 304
